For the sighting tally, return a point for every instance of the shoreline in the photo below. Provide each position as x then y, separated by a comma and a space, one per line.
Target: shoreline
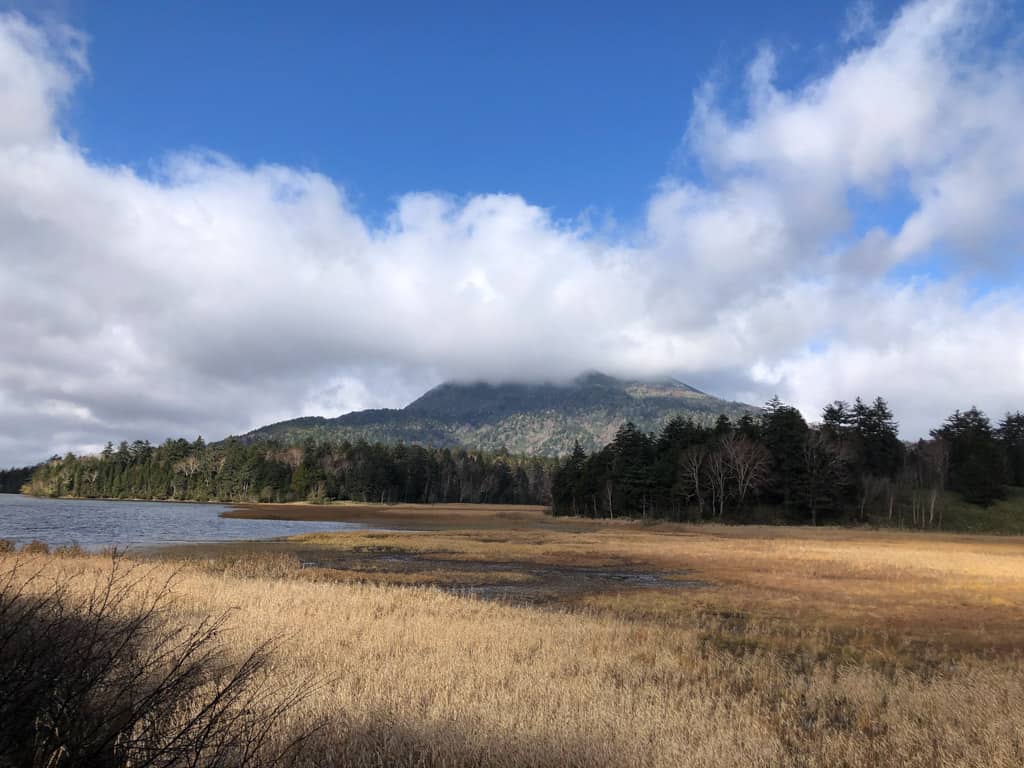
109, 498
400, 516
442, 517
446, 516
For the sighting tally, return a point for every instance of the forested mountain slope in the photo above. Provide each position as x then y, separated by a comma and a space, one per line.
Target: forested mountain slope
530, 419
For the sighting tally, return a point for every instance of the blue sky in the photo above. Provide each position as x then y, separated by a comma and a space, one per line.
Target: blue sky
217, 218
575, 106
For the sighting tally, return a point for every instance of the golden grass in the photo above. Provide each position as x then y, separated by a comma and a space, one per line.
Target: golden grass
809, 648
895, 588
959, 590
420, 677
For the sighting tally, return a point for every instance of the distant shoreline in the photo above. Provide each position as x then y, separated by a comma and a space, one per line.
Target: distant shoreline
130, 498
418, 516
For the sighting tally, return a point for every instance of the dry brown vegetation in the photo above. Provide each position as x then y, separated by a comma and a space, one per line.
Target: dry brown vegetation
807, 648
425, 516
891, 588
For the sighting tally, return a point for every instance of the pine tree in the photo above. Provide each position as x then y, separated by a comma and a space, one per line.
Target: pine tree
631, 471
976, 458
1011, 435
784, 432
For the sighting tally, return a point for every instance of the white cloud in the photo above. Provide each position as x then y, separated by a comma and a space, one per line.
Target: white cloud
39, 70
860, 22
213, 297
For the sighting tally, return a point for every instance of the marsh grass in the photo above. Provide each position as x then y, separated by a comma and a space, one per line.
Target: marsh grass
964, 592
821, 675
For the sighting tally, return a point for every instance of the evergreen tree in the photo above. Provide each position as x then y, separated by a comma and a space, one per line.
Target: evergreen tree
976, 458
881, 452
691, 470
749, 427
567, 484
784, 432
1011, 435
837, 420
12, 480
631, 471
268, 471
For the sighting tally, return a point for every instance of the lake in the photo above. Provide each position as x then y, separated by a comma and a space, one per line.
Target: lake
94, 524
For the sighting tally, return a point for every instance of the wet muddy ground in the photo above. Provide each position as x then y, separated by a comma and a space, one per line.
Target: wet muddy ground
506, 581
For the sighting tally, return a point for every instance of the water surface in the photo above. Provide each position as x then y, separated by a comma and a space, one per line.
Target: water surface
94, 524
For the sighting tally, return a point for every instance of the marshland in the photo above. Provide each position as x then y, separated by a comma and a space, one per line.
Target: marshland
742, 645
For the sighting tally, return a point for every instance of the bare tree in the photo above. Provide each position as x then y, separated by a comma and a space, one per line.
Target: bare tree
871, 488
748, 463
691, 472
935, 464
717, 470
188, 466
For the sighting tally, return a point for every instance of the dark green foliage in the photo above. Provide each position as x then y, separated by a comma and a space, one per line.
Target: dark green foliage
568, 481
784, 433
876, 434
1011, 435
851, 467
977, 467
271, 471
11, 480
749, 427
631, 470
772, 466
837, 419
871, 455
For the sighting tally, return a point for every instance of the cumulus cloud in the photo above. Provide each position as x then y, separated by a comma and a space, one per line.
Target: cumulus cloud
211, 297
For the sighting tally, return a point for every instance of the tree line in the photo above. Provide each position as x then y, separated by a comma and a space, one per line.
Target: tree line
11, 480
851, 466
277, 472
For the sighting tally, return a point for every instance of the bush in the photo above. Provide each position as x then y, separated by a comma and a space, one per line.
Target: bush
97, 675
36, 547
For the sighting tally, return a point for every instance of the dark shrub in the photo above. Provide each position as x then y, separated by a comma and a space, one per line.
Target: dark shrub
100, 676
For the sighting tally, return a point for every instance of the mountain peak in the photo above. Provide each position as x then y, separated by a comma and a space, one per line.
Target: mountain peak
532, 418
668, 383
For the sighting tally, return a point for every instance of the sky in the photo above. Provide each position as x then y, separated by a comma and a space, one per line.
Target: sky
212, 219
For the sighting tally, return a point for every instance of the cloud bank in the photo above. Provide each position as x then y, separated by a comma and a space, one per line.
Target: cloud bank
860, 233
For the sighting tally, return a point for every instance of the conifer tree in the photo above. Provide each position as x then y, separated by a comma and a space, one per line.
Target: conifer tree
1011, 435
976, 459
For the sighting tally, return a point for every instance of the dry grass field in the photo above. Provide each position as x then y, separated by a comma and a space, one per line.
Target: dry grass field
891, 589
795, 647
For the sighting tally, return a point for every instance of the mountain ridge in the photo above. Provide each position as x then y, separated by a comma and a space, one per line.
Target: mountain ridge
527, 418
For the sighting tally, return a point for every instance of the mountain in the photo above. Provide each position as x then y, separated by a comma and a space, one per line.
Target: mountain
535, 419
